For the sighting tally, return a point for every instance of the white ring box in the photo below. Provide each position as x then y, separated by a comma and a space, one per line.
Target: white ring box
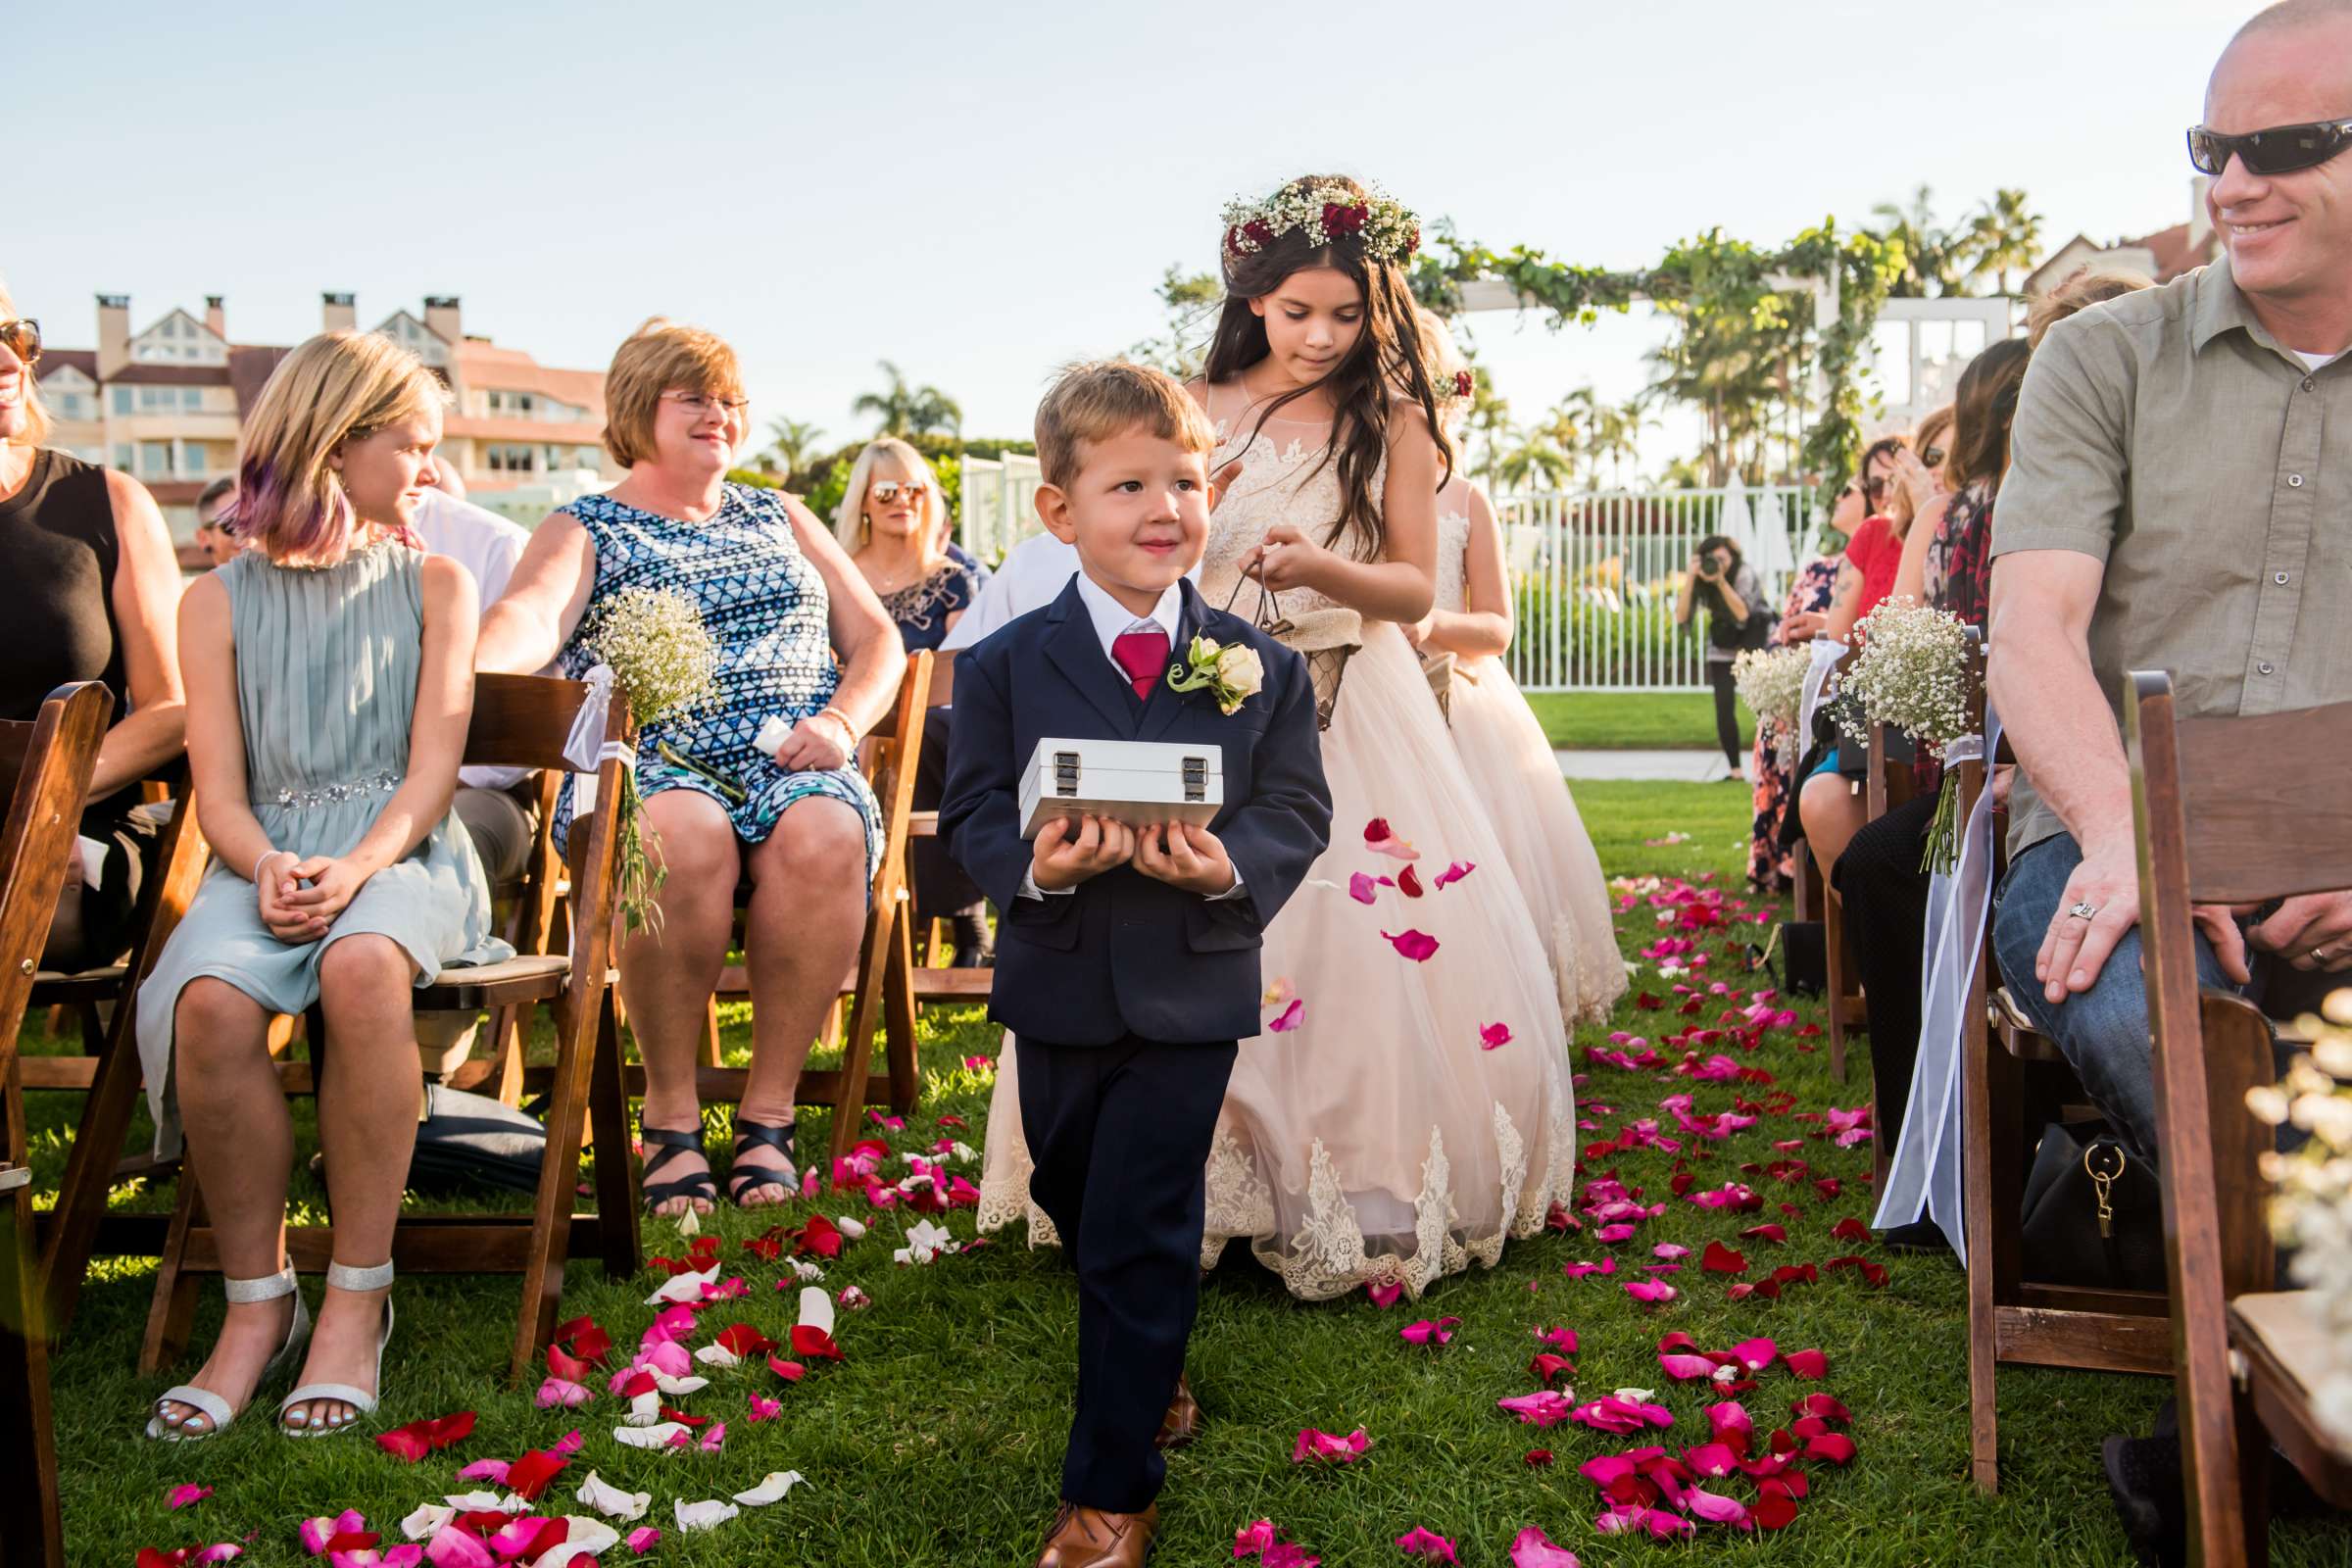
1135, 782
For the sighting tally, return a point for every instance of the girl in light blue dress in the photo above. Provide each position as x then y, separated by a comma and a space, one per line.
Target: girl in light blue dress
331, 668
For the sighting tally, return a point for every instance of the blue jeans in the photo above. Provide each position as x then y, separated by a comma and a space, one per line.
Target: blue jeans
2103, 1032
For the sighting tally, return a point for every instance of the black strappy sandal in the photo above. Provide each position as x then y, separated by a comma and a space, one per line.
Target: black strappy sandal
663, 1145
742, 1178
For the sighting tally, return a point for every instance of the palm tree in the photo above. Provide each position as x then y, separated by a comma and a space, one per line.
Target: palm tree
1538, 453
1932, 253
2003, 235
906, 409
1488, 422
1617, 435
790, 443
1572, 428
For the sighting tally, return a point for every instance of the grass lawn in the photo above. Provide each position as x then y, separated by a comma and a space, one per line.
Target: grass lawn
1597, 721
939, 1436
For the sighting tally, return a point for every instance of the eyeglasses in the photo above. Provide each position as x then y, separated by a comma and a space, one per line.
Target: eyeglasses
698, 404
1872, 489
2278, 150
889, 490
1931, 456
24, 338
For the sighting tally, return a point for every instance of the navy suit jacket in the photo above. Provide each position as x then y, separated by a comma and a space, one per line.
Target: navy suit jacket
1123, 952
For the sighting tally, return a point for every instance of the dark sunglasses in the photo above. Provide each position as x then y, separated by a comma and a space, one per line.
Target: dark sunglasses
24, 338
2279, 150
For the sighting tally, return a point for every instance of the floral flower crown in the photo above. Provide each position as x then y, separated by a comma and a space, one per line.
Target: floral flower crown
1331, 211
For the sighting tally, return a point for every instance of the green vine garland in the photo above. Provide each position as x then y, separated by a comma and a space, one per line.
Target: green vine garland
1706, 276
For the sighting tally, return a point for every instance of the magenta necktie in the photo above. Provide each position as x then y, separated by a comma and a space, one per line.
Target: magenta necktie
1142, 654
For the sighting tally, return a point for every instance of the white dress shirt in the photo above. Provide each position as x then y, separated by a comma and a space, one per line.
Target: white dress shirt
1112, 622
488, 546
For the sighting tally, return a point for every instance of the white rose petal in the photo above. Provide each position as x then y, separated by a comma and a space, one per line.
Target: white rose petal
683, 1288
644, 1409
807, 1270
427, 1520
678, 1386
613, 1503
472, 1502
853, 1229
702, 1515
773, 733
717, 1355
817, 1309
653, 1437
778, 1483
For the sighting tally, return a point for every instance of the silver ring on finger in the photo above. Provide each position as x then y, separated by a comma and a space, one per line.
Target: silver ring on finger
2083, 909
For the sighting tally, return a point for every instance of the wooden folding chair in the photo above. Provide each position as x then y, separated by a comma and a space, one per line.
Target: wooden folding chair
2008, 1070
2264, 831
109, 1070
518, 722
45, 768
879, 990
533, 902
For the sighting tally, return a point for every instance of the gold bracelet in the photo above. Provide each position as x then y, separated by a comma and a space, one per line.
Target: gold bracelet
849, 730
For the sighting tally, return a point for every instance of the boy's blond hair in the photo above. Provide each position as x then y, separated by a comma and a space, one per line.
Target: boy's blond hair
1101, 399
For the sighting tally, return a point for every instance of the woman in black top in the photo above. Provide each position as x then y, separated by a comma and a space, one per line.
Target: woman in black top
1735, 621
95, 596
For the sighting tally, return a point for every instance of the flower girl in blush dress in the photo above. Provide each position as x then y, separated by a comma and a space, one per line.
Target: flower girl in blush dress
1407, 1109
1502, 744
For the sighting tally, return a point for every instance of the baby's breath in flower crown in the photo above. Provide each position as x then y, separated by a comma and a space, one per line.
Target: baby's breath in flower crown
665, 662
2311, 1210
1331, 212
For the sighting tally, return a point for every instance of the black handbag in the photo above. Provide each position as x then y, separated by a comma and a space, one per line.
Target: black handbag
2094, 1214
472, 1140
1803, 966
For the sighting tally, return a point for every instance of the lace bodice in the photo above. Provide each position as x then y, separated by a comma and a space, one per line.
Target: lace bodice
1453, 544
1279, 482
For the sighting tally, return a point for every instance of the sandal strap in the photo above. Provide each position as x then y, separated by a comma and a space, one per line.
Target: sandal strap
211, 1405
742, 1178
267, 1287
668, 1144
343, 1277
760, 1132
669, 1138
357, 1398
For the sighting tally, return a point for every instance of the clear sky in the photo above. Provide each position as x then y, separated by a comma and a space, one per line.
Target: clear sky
981, 192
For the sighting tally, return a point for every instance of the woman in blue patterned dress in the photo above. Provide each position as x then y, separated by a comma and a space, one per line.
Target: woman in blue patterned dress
782, 600
893, 522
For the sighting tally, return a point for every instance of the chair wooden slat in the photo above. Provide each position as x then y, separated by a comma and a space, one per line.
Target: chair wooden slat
48, 766
2262, 830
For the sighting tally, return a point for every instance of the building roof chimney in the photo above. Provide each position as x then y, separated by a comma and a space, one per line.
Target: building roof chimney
442, 317
338, 313
216, 317
114, 335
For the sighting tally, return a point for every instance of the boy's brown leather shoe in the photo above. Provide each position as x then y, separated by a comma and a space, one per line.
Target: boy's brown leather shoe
1089, 1538
1182, 1423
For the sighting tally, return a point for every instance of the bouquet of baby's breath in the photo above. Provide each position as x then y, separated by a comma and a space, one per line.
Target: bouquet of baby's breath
2311, 1210
1912, 675
1770, 681
665, 662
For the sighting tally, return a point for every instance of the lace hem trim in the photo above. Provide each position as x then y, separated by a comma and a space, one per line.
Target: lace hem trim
1327, 1257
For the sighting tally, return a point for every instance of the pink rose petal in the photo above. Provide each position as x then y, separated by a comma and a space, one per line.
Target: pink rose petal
1427, 1544
1426, 1332
1385, 1296
180, 1496
640, 1540
1417, 946
1453, 872
1282, 1023
1314, 1444
1492, 1035
1807, 1364
1533, 1549
1254, 1538
559, 1392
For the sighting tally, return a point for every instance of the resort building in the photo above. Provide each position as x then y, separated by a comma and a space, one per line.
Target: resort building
165, 403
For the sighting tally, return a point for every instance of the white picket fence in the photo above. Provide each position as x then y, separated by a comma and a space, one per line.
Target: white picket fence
1594, 574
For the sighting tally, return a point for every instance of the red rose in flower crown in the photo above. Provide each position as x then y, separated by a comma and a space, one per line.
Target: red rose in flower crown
1462, 384
1326, 211
1339, 220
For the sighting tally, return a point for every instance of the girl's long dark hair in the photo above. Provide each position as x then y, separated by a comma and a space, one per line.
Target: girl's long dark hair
1390, 358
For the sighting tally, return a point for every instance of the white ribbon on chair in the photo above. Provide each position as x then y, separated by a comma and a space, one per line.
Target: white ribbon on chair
586, 749
1827, 651
1925, 1172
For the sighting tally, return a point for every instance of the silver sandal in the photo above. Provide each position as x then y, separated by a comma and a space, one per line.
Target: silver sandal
213, 1409
341, 1278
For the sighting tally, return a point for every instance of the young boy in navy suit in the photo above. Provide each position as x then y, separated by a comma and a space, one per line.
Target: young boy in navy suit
1127, 957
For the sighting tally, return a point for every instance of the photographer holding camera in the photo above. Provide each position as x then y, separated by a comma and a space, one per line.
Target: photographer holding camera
1736, 623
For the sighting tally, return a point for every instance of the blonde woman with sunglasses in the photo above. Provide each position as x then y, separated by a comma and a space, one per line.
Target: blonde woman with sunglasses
893, 521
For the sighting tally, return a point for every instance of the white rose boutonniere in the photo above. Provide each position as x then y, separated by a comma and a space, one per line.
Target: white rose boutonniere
1232, 675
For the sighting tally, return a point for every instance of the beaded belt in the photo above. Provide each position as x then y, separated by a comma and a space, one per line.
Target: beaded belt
381, 782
